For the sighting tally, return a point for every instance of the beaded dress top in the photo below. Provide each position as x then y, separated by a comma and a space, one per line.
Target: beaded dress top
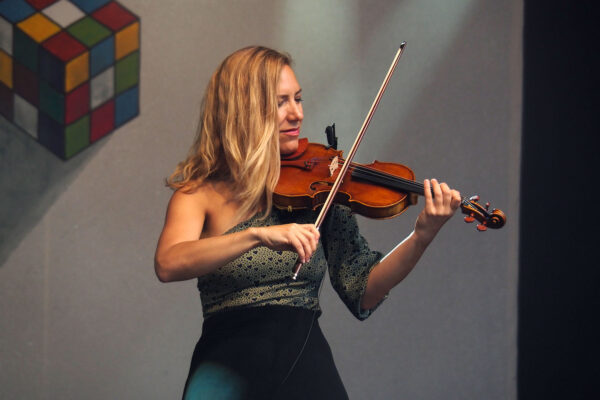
263, 276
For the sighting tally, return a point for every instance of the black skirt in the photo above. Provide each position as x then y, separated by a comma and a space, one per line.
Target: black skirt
268, 352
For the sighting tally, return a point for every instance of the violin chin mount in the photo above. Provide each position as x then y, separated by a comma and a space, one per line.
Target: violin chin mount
332, 140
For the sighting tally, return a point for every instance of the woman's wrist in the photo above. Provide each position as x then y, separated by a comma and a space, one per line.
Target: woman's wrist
422, 239
255, 236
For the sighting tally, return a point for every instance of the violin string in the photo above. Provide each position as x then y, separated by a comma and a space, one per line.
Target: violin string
383, 174
420, 188
413, 186
416, 186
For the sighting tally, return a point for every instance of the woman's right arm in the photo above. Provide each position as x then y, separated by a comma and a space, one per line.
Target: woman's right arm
181, 255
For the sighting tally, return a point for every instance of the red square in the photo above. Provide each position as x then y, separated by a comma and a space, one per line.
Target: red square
39, 4
64, 46
77, 103
25, 83
6, 102
103, 121
114, 16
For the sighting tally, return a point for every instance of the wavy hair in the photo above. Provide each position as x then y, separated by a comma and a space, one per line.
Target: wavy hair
238, 133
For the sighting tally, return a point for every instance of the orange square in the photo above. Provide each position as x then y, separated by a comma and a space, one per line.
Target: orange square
77, 71
38, 27
127, 40
6, 69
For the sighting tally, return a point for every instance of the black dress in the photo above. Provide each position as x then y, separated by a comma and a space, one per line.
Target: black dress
261, 337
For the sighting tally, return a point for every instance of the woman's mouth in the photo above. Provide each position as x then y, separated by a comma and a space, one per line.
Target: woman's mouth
291, 132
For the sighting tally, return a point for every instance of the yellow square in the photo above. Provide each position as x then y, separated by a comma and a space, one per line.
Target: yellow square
127, 40
6, 69
77, 71
38, 27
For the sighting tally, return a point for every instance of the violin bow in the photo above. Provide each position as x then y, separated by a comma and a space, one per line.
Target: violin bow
348, 160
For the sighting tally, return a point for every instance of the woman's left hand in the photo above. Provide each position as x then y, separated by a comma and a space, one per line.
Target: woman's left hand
439, 207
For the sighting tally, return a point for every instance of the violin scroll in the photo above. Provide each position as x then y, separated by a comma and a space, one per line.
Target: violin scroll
475, 211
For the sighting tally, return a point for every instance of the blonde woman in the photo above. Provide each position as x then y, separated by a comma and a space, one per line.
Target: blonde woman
261, 338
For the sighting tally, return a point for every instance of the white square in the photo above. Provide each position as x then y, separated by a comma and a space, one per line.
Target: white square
26, 116
63, 13
102, 87
6, 35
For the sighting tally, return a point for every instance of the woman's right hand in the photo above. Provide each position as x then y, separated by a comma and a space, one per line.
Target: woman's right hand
301, 238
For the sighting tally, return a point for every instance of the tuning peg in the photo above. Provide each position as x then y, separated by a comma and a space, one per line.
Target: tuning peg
469, 218
474, 198
482, 227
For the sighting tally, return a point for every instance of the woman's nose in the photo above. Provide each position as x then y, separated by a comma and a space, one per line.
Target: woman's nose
295, 112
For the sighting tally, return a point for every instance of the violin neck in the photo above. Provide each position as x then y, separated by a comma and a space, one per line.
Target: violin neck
488, 219
385, 179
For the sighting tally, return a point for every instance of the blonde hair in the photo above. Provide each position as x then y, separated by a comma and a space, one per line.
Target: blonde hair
238, 132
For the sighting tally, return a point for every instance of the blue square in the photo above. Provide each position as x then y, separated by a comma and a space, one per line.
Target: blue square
51, 135
15, 10
25, 49
102, 56
89, 5
127, 106
52, 70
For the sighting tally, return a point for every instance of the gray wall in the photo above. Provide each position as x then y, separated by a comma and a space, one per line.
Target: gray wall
81, 312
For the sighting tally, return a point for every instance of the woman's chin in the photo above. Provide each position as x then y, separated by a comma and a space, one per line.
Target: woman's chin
288, 147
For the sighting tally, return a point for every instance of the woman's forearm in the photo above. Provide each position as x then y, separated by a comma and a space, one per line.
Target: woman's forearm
392, 269
400, 261
191, 259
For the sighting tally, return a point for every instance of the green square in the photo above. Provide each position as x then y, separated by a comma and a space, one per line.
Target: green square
88, 31
25, 50
77, 136
52, 102
127, 72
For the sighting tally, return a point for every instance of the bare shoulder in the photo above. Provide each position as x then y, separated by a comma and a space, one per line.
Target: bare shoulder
186, 215
190, 199
206, 210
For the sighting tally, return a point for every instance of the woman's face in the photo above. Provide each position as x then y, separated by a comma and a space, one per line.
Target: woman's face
289, 106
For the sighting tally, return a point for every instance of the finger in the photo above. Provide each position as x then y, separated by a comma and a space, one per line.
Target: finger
313, 232
437, 193
299, 248
305, 236
456, 199
446, 194
310, 240
428, 194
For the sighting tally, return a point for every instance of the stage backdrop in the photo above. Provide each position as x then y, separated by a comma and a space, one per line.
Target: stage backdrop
82, 314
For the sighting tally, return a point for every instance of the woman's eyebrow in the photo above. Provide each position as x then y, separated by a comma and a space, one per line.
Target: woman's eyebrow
286, 95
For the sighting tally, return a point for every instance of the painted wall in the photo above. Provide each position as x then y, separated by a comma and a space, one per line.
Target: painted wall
81, 312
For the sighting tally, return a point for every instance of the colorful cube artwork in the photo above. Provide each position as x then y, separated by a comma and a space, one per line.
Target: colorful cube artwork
69, 70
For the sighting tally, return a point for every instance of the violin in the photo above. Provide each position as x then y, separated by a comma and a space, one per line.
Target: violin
326, 173
378, 190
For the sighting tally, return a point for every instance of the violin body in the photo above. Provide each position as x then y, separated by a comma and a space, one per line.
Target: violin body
306, 179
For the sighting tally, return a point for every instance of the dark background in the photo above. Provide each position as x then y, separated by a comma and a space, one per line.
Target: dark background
559, 280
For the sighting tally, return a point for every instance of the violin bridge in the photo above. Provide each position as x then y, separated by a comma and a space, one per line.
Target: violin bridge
333, 166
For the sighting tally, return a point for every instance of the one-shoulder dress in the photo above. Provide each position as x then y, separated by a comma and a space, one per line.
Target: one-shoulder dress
260, 336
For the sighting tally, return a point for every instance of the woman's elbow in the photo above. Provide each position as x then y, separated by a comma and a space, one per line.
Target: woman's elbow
163, 272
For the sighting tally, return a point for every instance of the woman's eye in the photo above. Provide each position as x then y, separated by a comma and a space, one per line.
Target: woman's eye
281, 102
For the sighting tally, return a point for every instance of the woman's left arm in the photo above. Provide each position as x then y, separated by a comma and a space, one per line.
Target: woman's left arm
394, 267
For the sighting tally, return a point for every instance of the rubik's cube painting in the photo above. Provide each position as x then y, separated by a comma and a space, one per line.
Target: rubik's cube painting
69, 70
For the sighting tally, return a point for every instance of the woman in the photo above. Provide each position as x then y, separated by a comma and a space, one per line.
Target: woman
261, 337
